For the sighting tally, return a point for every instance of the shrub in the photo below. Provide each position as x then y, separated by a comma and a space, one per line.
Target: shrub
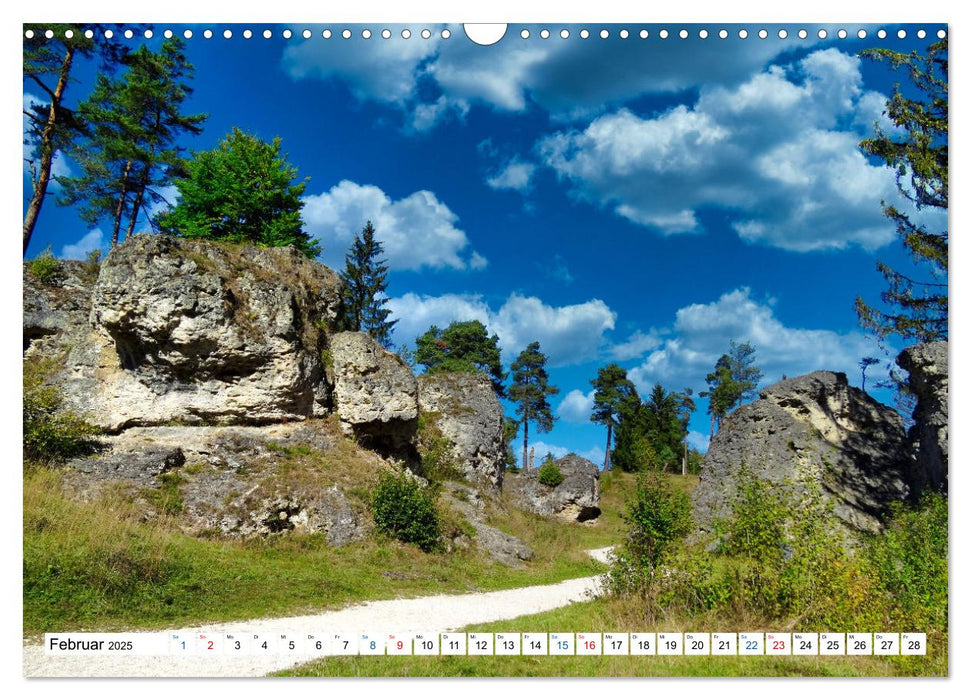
50, 433
435, 451
91, 267
550, 474
658, 515
46, 268
406, 511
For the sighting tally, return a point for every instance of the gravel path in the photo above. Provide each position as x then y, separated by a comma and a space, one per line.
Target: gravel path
431, 614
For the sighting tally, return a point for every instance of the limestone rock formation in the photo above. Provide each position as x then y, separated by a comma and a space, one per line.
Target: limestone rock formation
196, 332
576, 498
56, 308
375, 394
467, 411
810, 432
501, 547
927, 364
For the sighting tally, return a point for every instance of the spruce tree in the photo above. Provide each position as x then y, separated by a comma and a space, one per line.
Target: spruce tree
530, 390
611, 389
241, 191
917, 309
365, 278
130, 149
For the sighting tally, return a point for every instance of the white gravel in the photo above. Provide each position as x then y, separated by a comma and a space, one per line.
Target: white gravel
431, 614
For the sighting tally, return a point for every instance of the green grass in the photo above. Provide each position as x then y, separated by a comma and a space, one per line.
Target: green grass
95, 566
605, 615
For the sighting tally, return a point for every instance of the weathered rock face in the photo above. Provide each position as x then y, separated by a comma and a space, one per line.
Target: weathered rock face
467, 411
226, 481
195, 332
813, 431
56, 309
576, 498
501, 547
375, 394
927, 364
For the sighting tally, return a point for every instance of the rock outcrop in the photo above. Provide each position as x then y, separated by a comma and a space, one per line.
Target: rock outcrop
810, 432
927, 364
576, 498
500, 546
375, 394
58, 308
194, 332
467, 411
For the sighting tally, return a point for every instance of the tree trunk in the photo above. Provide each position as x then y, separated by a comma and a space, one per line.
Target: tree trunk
121, 205
46, 150
525, 443
711, 433
607, 465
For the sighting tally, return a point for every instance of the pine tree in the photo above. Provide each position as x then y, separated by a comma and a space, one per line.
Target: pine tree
530, 390
241, 191
465, 346
918, 308
735, 379
611, 389
365, 279
130, 150
52, 126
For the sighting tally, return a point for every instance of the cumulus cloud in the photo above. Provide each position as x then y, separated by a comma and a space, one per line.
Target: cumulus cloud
432, 78
79, 250
515, 175
417, 231
702, 332
576, 407
567, 334
636, 345
779, 150
698, 441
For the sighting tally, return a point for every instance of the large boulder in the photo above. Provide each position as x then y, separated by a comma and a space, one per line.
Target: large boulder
928, 367
193, 332
810, 433
467, 411
576, 498
375, 394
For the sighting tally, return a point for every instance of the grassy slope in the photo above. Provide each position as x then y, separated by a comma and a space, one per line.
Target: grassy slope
97, 567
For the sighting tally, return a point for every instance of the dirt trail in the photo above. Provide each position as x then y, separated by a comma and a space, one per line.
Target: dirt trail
439, 613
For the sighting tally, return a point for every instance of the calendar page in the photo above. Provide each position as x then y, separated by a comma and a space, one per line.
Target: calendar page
558, 349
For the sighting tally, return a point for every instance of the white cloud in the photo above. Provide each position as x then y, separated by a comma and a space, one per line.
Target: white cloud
93, 240
515, 175
702, 332
636, 345
417, 231
698, 441
780, 151
540, 449
435, 77
567, 334
576, 407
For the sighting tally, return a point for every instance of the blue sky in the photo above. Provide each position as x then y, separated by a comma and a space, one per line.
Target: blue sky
643, 201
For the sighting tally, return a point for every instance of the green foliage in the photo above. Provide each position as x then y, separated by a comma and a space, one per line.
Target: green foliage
242, 191
658, 516
167, 498
612, 390
50, 433
918, 309
437, 459
530, 390
406, 511
911, 564
46, 268
510, 428
550, 474
650, 436
465, 346
735, 379
132, 127
91, 267
365, 279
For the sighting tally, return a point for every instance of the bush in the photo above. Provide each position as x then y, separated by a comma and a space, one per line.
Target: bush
658, 515
435, 451
406, 511
50, 434
550, 474
46, 268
